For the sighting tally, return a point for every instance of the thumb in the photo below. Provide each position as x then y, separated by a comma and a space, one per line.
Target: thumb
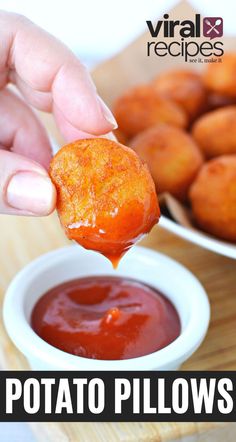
25, 187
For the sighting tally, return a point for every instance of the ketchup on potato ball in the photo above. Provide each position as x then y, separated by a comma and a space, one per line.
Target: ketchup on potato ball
106, 195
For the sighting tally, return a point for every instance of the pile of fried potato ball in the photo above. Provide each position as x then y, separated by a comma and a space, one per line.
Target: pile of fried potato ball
183, 125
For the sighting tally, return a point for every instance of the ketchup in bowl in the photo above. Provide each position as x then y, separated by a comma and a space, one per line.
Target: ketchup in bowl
105, 317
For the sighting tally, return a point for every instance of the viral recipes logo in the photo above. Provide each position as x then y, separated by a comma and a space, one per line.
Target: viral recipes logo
183, 38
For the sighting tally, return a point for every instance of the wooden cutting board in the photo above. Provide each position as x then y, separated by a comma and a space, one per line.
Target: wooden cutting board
23, 239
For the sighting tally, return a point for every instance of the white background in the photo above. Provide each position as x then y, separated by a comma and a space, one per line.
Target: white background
95, 30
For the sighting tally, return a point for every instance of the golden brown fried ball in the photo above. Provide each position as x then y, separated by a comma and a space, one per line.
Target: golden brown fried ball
172, 156
215, 132
141, 107
220, 77
106, 196
213, 197
185, 88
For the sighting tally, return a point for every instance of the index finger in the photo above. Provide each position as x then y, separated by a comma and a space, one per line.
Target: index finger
50, 74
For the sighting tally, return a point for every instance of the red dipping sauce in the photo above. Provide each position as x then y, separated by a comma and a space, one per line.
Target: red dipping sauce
105, 317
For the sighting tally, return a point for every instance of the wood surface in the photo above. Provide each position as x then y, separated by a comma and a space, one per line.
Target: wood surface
23, 239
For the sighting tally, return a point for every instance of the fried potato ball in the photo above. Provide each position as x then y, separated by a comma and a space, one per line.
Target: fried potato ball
220, 77
215, 132
213, 197
172, 156
141, 107
106, 196
184, 87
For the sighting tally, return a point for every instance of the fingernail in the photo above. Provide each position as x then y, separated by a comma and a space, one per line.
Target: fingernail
109, 136
31, 192
107, 114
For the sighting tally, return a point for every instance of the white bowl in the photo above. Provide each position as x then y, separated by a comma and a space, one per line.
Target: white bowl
51, 269
200, 238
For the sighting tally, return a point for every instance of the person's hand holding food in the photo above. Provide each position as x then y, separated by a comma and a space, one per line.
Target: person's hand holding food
51, 79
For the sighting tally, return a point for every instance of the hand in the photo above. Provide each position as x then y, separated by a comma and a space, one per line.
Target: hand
51, 79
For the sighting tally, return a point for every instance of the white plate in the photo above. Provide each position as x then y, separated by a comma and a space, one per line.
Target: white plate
199, 238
